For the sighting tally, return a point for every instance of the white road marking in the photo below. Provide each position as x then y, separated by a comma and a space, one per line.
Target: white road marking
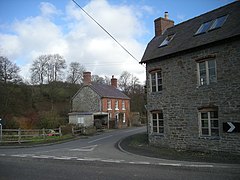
199, 165
2, 154
88, 159
112, 160
169, 164
21, 155
140, 162
63, 158
100, 139
42, 156
85, 149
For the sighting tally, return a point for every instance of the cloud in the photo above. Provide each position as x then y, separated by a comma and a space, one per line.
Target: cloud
80, 39
48, 9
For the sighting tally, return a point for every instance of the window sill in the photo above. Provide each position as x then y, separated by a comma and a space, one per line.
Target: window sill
157, 134
210, 137
207, 85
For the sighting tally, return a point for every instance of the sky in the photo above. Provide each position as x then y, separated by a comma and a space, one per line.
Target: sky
30, 28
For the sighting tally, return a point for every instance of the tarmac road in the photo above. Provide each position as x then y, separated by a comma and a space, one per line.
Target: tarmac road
97, 157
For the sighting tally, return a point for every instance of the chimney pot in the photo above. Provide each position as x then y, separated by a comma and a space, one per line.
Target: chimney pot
166, 15
87, 78
161, 24
114, 81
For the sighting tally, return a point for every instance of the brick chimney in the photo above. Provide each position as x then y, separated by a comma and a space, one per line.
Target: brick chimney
86, 78
161, 24
114, 81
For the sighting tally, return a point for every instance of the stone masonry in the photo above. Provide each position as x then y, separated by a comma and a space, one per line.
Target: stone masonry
181, 98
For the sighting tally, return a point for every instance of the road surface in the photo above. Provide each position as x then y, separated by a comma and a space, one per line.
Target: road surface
97, 157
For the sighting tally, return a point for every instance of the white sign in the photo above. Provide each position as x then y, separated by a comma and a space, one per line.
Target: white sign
232, 127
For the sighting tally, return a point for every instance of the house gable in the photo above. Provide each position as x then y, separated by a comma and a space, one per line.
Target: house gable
86, 100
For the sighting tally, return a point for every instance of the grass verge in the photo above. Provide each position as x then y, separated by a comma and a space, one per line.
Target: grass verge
138, 144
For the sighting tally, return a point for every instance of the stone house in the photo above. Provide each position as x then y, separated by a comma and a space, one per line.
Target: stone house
193, 82
101, 102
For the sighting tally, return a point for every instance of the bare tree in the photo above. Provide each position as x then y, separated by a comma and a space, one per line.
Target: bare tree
125, 82
47, 68
75, 73
128, 82
55, 65
39, 70
8, 71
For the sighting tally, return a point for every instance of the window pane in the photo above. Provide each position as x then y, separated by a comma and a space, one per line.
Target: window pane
202, 73
160, 123
204, 115
166, 40
204, 123
159, 88
218, 22
204, 27
154, 123
214, 114
214, 132
211, 64
159, 82
161, 130
214, 123
154, 115
205, 131
154, 129
160, 115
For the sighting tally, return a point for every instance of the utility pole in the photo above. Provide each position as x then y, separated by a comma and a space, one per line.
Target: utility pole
0, 130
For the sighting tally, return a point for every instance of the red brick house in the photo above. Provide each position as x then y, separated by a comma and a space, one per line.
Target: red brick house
102, 102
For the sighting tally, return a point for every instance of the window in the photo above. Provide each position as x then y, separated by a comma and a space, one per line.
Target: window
209, 125
218, 22
207, 72
124, 117
123, 105
211, 25
156, 81
157, 122
116, 105
204, 27
109, 104
167, 40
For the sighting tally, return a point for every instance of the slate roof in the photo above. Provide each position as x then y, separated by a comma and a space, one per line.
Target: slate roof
108, 91
185, 39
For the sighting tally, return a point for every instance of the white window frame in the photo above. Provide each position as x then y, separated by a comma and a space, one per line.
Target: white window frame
200, 82
155, 73
116, 105
158, 125
209, 119
124, 117
109, 104
123, 105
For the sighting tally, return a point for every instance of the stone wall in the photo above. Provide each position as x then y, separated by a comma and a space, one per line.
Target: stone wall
86, 100
182, 96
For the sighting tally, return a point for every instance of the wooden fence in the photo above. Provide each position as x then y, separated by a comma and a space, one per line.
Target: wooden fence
28, 135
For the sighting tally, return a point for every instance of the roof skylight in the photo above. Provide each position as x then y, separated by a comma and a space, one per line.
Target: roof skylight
204, 27
167, 40
211, 25
218, 22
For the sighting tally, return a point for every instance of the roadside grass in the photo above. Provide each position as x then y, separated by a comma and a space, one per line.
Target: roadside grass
138, 144
39, 140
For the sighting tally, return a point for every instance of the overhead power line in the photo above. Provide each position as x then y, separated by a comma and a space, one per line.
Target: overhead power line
106, 31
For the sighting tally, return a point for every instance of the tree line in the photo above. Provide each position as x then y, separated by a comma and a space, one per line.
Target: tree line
44, 102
